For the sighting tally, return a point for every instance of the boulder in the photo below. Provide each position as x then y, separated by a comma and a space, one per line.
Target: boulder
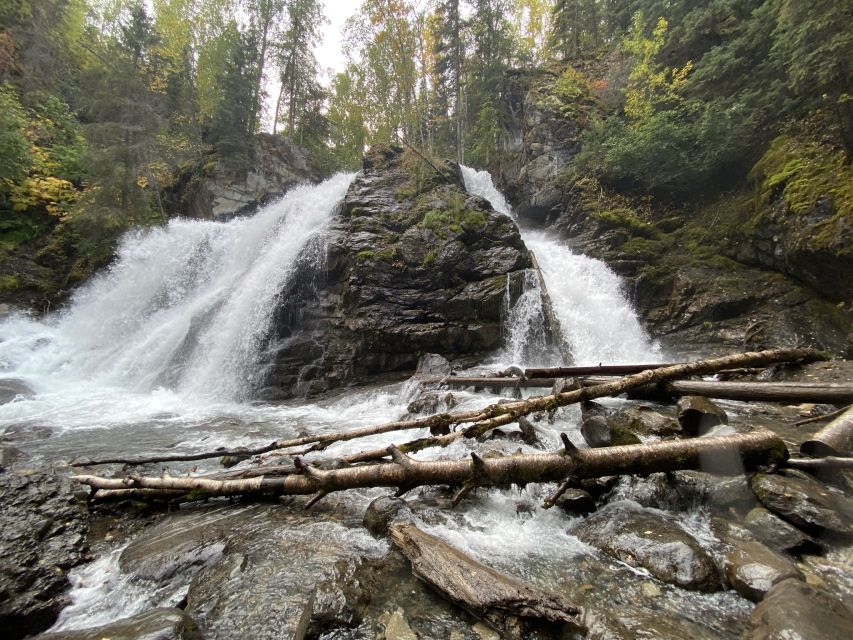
793, 609
154, 624
11, 388
646, 539
43, 534
698, 415
599, 431
778, 534
382, 512
576, 502
681, 490
804, 501
646, 421
752, 569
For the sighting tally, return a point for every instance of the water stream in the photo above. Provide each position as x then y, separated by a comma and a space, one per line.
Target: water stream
158, 353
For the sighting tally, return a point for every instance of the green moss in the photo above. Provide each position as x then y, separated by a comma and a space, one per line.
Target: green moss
363, 256
388, 254
9, 283
429, 259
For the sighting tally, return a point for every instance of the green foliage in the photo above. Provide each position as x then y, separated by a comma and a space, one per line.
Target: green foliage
14, 145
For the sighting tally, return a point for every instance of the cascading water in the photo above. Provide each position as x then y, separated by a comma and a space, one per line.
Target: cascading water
596, 319
177, 321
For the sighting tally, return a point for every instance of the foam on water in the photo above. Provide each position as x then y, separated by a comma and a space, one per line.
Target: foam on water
596, 318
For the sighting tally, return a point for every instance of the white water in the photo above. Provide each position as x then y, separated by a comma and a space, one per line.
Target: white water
596, 318
174, 328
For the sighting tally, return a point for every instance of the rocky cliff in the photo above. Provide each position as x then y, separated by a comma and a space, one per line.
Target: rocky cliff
414, 264
765, 265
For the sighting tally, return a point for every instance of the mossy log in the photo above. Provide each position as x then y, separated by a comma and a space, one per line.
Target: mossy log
507, 604
719, 454
835, 439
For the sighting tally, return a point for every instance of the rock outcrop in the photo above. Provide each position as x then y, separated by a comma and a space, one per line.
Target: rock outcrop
415, 265
221, 192
705, 277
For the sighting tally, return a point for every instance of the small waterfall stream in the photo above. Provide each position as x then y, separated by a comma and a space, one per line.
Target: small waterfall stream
595, 316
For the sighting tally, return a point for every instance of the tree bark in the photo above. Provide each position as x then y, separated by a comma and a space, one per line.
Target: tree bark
719, 454
835, 439
496, 415
508, 605
600, 370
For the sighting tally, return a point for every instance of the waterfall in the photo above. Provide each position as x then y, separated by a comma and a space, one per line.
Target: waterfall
596, 318
185, 308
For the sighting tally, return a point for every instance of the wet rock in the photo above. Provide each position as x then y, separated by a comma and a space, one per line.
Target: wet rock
778, 534
752, 569
646, 421
382, 512
11, 389
414, 265
576, 502
431, 403
43, 527
793, 609
155, 624
25, 433
396, 627
804, 501
730, 533
698, 415
264, 582
680, 490
835, 575
338, 601
643, 538
432, 365
598, 431
8, 456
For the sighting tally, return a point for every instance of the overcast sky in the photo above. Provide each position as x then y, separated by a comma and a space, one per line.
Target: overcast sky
329, 53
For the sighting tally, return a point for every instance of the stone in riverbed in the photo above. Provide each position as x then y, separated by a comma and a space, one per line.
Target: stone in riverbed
778, 534
804, 501
154, 624
752, 569
646, 421
11, 389
382, 512
598, 431
698, 415
794, 610
643, 538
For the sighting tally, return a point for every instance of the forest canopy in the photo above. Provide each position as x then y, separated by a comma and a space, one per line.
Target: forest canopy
107, 105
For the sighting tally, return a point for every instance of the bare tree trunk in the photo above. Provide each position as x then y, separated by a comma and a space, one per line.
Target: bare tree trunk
731, 453
508, 605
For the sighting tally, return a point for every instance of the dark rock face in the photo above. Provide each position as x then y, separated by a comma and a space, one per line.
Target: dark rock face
43, 527
804, 502
415, 265
793, 609
277, 165
778, 534
697, 415
382, 512
155, 624
646, 539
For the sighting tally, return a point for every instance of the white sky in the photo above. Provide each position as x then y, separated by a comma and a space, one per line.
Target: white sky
329, 53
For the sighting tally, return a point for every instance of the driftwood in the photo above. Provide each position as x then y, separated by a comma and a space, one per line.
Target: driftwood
508, 605
835, 439
719, 454
812, 464
599, 370
494, 415
821, 418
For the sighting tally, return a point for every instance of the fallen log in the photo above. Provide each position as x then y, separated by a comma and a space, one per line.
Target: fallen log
823, 418
594, 370
835, 439
812, 464
508, 605
718, 454
761, 391
498, 415
495, 415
